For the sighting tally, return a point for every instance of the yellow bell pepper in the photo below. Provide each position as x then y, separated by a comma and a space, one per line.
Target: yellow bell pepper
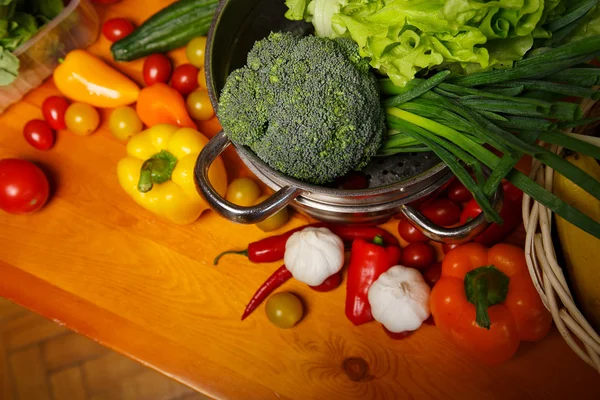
85, 78
158, 172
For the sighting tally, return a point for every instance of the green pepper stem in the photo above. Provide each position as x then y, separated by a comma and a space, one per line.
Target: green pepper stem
485, 287
241, 253
156, 169
378, 240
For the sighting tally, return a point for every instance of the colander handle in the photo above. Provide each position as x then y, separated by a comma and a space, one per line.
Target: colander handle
459, 234
243, 215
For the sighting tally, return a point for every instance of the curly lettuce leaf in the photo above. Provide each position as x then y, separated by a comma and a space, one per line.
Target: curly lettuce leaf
9, 67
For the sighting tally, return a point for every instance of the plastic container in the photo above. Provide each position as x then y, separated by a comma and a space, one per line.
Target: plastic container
77, 26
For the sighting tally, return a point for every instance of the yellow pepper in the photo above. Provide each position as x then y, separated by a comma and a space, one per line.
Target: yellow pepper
158, 172
85, 78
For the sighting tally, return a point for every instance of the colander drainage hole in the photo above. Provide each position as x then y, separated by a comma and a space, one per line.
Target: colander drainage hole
368, 176
401, 164
385, 172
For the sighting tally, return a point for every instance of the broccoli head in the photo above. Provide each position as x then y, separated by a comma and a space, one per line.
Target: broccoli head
307, 106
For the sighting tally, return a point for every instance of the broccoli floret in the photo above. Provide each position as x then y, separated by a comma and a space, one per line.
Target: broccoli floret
307, 106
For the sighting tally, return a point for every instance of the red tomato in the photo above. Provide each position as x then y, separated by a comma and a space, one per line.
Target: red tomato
353, 180
447, 247
441, 211
330, 283
397, 335
54, 109
410, 233
117, 28
432, 274
157, 69
458, 192
24, 187
185, 79
39, 134
512, 193
418, 255
106, 1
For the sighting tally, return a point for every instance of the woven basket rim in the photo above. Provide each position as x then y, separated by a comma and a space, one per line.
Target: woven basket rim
546, 273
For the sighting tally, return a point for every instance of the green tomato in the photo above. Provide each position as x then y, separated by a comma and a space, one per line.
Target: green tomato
124, 123
275, 221
243, 192
284, 310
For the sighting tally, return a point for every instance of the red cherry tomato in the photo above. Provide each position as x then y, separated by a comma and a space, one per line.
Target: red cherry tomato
24, 187
458, 192
117, 28
446, 247
512, 193
157, 69
397, 335
418, 255
106, 1
39, 134
354, 180
329, 284
441, 211
185, 79
432, 274
410, 233
54, 109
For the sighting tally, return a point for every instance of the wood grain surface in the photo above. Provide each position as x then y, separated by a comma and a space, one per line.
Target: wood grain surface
95, 261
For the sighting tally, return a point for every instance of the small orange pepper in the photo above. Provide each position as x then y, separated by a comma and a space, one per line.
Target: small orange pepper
85, 78
161, 104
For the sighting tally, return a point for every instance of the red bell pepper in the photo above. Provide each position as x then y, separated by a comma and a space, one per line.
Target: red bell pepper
368, 260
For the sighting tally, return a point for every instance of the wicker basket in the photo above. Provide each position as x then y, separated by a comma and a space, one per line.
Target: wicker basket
547, 274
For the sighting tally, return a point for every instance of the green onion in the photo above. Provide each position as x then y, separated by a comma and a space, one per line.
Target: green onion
418, 90
584, 47
559, 88
507, 107
527, 71
527, 124
572, 16
560, 139
447, 153
584, 77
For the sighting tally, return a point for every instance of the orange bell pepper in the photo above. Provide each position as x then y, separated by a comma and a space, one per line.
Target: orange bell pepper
486, 303
161, 104
85, 78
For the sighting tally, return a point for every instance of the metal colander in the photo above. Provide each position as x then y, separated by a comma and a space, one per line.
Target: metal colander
394, 181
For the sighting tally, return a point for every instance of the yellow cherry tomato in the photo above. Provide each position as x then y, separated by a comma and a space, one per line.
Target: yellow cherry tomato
195, 51
202, 79
276, 220
243, 192
284, 310
199, 106
82, 119
124, 123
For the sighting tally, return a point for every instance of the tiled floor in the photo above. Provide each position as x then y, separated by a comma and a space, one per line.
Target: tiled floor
40, 360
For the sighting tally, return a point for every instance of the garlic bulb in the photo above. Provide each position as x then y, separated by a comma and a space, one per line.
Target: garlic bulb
313, 255
399, 299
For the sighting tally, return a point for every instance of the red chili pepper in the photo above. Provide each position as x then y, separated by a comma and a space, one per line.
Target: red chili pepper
278, 278
329, 284
272, 249
368, 260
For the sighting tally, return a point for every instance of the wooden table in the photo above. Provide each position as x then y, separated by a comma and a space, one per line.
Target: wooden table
98, 263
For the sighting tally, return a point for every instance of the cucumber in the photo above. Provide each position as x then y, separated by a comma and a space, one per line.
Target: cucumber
170, 28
